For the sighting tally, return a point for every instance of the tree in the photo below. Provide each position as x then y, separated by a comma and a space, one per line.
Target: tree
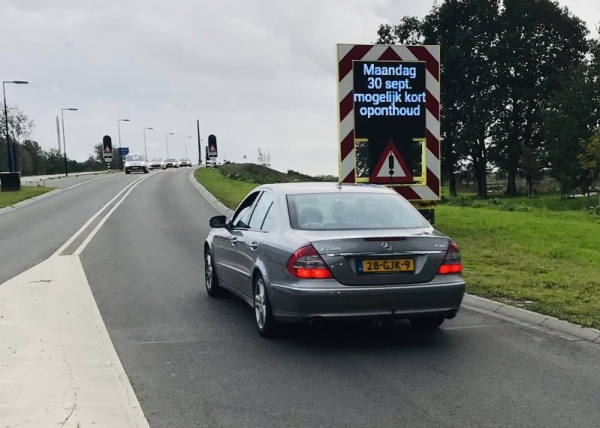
54, 162
25, 162
37, 156
409, 32
539, 46
264, 159
502, 62
466, 31
567, 127
20, 127
590, 157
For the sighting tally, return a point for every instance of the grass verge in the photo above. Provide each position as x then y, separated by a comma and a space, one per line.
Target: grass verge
229, 191
541, 260
539, 254
11, 198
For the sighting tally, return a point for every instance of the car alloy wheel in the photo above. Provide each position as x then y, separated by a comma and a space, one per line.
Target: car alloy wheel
213, 289
266, 325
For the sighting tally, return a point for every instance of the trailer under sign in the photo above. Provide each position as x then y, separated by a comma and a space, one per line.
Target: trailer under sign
391, 95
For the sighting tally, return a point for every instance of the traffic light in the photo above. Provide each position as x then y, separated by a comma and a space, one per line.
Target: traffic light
107, 149
212, 146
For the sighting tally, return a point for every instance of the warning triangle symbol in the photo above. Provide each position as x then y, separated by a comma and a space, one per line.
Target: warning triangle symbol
391, 167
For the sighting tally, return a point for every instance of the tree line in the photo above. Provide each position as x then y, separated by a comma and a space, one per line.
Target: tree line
33, 160
520, 91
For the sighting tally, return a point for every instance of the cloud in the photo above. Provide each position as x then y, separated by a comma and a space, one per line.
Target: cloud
256, 73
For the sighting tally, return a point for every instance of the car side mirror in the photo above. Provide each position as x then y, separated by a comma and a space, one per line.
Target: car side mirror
218, 221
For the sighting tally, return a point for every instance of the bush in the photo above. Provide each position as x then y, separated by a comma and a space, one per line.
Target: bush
461, 201
263, 175
508, 206
594, 209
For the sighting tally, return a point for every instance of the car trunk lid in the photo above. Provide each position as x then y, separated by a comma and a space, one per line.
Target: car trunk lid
380, 257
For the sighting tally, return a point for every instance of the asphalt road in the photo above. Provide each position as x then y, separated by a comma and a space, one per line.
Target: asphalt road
31, 233
198, 362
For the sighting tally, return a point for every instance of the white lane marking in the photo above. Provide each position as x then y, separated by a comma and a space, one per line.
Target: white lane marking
87, 240
80, 231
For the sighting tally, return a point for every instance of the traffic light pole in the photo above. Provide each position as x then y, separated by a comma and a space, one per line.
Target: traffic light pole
199, 144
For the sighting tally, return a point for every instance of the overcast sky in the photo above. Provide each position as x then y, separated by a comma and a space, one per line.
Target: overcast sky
256, 73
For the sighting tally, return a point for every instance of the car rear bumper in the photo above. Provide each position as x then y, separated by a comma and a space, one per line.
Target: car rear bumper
298, 303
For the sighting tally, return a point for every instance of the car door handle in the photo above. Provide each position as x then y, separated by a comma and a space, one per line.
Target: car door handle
254, 245
233, 240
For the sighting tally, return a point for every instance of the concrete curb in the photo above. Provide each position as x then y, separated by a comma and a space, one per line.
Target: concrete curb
6, 210
29, 201
36, 178
209, 196
490, 307
530, 318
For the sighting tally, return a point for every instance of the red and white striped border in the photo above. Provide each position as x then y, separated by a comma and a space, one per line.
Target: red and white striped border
428, 54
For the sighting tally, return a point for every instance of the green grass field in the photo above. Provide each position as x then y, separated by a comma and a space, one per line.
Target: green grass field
542, 260
230, 192
542, 254
10, 198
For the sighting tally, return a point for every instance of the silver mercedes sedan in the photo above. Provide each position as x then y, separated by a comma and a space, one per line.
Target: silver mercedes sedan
313, 252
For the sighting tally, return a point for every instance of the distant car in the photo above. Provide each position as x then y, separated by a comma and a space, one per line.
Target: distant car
313, 252
135, 162
155, 163
170, 163
185, 162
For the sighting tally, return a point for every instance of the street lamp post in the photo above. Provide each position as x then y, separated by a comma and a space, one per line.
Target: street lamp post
168, 133
62, 117
185, 142
145, 146
12, 158
119, 126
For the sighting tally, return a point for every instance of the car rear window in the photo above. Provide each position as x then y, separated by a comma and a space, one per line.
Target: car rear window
337, 211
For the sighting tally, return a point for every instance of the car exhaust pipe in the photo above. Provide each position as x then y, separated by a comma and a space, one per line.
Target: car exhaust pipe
317, 322
450, 315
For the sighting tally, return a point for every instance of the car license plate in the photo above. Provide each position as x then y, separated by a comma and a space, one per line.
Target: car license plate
386, 266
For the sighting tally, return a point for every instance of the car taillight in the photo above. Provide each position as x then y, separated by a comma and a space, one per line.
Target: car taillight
307, 263
452, 262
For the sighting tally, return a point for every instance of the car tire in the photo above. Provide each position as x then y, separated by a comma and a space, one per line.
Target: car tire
146, 171
266, 324
213, 289
427, 323
127, 171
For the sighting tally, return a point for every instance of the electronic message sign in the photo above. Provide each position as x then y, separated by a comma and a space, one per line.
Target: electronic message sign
389, 117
